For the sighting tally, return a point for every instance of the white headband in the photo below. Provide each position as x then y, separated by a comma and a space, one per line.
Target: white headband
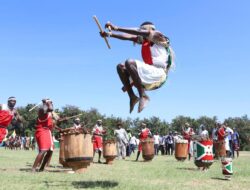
11, 99
147, 27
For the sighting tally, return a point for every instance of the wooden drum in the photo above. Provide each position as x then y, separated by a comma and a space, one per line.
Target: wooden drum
61, 153
148, 151
78, 150
109, 151
181, 149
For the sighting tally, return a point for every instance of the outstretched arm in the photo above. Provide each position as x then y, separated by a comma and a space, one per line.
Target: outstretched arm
128, 37
136, 32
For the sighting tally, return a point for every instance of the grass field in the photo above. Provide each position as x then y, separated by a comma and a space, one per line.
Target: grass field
164, 172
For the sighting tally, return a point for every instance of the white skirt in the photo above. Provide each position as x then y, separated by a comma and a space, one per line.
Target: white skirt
152, 77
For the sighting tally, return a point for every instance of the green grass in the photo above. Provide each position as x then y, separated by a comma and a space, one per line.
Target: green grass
164, 172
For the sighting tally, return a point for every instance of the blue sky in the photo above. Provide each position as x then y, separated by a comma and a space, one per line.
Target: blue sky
53, 49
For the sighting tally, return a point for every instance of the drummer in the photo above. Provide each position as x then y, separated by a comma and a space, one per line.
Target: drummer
221, 133
187, 134
143, 135
98, 132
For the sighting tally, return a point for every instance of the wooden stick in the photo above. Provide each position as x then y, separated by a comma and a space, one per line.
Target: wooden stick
67, 118
101, 30
35, 106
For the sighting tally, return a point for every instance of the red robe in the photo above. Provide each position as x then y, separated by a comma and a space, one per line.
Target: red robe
5, 119
44, 127
142, 136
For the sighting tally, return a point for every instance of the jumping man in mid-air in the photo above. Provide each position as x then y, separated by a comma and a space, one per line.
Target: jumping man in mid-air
149, 74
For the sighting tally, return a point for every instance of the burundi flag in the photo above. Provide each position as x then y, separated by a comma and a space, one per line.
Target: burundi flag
227, 167
203, 150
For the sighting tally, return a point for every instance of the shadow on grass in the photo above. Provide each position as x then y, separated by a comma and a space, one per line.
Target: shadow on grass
25, 169
81, 184
62, 170
189, 169
93, 184
219, 178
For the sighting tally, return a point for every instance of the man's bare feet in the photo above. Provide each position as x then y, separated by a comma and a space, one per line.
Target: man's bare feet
133, 101
143, 103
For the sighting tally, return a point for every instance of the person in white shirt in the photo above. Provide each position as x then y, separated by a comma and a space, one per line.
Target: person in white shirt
132, 144
156, 142
121, 140
228, 139
203, 132
77, 124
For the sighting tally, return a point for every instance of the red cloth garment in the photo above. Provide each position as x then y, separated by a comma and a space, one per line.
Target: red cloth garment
97, 137
43, 133
3, 133
146, 52
221, 133
5, 118
97, 142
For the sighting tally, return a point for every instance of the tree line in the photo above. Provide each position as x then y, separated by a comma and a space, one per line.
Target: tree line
155, 124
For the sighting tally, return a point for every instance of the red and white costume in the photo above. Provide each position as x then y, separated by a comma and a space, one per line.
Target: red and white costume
143, 136
98, 131
152, 70
187, 136
221, 134
43, 134
6, 116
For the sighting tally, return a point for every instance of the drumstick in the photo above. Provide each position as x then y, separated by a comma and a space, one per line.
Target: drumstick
35, 106
100, 28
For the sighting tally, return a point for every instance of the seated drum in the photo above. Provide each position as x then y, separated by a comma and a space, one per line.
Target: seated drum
181, 149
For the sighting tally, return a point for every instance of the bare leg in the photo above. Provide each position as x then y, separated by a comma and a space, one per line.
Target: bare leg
124, 77
38, 160
99, 156
48, 162
46, 159
132, 70
138, 154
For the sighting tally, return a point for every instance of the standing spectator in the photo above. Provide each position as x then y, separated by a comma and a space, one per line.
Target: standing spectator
162, 145
156, 142
132, 144
203, 132
236, 142
128, 147
214, 132
170, 143
121, 140
215, 139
